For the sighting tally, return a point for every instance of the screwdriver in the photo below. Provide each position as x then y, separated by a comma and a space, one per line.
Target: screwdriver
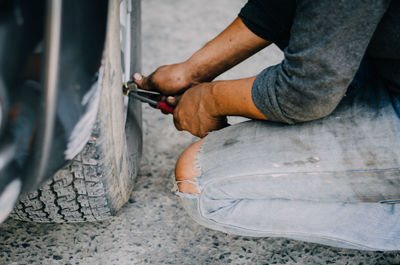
130, 89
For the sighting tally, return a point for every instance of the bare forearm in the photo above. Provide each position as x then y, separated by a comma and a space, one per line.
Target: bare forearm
232, 46
234, 98
204, 107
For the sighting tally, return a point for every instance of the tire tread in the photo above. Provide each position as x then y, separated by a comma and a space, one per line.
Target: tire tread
75, 194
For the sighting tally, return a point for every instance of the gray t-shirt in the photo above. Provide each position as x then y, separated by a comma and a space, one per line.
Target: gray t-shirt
325, 43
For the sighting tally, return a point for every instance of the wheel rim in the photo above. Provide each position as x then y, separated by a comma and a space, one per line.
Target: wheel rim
125, 10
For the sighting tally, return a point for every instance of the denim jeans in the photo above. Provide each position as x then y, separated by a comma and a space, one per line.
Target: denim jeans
333, 181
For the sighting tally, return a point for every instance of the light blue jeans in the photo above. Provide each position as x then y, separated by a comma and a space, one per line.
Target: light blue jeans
333, 181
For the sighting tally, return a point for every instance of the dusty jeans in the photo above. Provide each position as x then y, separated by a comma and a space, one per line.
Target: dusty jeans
333, 181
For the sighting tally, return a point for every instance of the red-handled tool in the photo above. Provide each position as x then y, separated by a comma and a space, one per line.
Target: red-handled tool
165, 107
131, 89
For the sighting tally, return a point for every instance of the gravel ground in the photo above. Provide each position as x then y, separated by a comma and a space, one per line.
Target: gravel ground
153, 228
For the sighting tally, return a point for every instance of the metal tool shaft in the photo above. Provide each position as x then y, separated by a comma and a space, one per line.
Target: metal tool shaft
144, 99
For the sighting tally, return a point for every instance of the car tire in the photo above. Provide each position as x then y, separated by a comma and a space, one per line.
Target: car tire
99, 181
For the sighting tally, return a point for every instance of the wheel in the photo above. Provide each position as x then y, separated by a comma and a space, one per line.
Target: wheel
98, 182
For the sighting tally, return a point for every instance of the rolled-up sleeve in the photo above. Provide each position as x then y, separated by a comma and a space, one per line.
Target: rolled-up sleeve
327, 42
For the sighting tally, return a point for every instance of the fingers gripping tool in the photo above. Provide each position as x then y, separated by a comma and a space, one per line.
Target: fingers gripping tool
131, 89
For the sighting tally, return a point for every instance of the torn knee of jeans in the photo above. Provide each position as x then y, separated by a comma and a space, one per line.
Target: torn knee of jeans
187, 169
188, 186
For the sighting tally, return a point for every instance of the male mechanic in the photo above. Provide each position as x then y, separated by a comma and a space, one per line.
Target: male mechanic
319, 161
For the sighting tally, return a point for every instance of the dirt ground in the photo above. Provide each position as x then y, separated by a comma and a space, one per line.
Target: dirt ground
153, 227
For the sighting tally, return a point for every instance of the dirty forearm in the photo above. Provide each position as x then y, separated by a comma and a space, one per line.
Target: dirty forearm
233, 98
233, 45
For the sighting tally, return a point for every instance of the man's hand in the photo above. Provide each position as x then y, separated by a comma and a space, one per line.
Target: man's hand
196, 111
204, 108
168, 79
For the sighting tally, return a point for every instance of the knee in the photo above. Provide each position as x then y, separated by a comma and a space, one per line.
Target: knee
185, 169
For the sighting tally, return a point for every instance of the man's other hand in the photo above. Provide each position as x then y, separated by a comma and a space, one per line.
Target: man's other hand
195, 111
